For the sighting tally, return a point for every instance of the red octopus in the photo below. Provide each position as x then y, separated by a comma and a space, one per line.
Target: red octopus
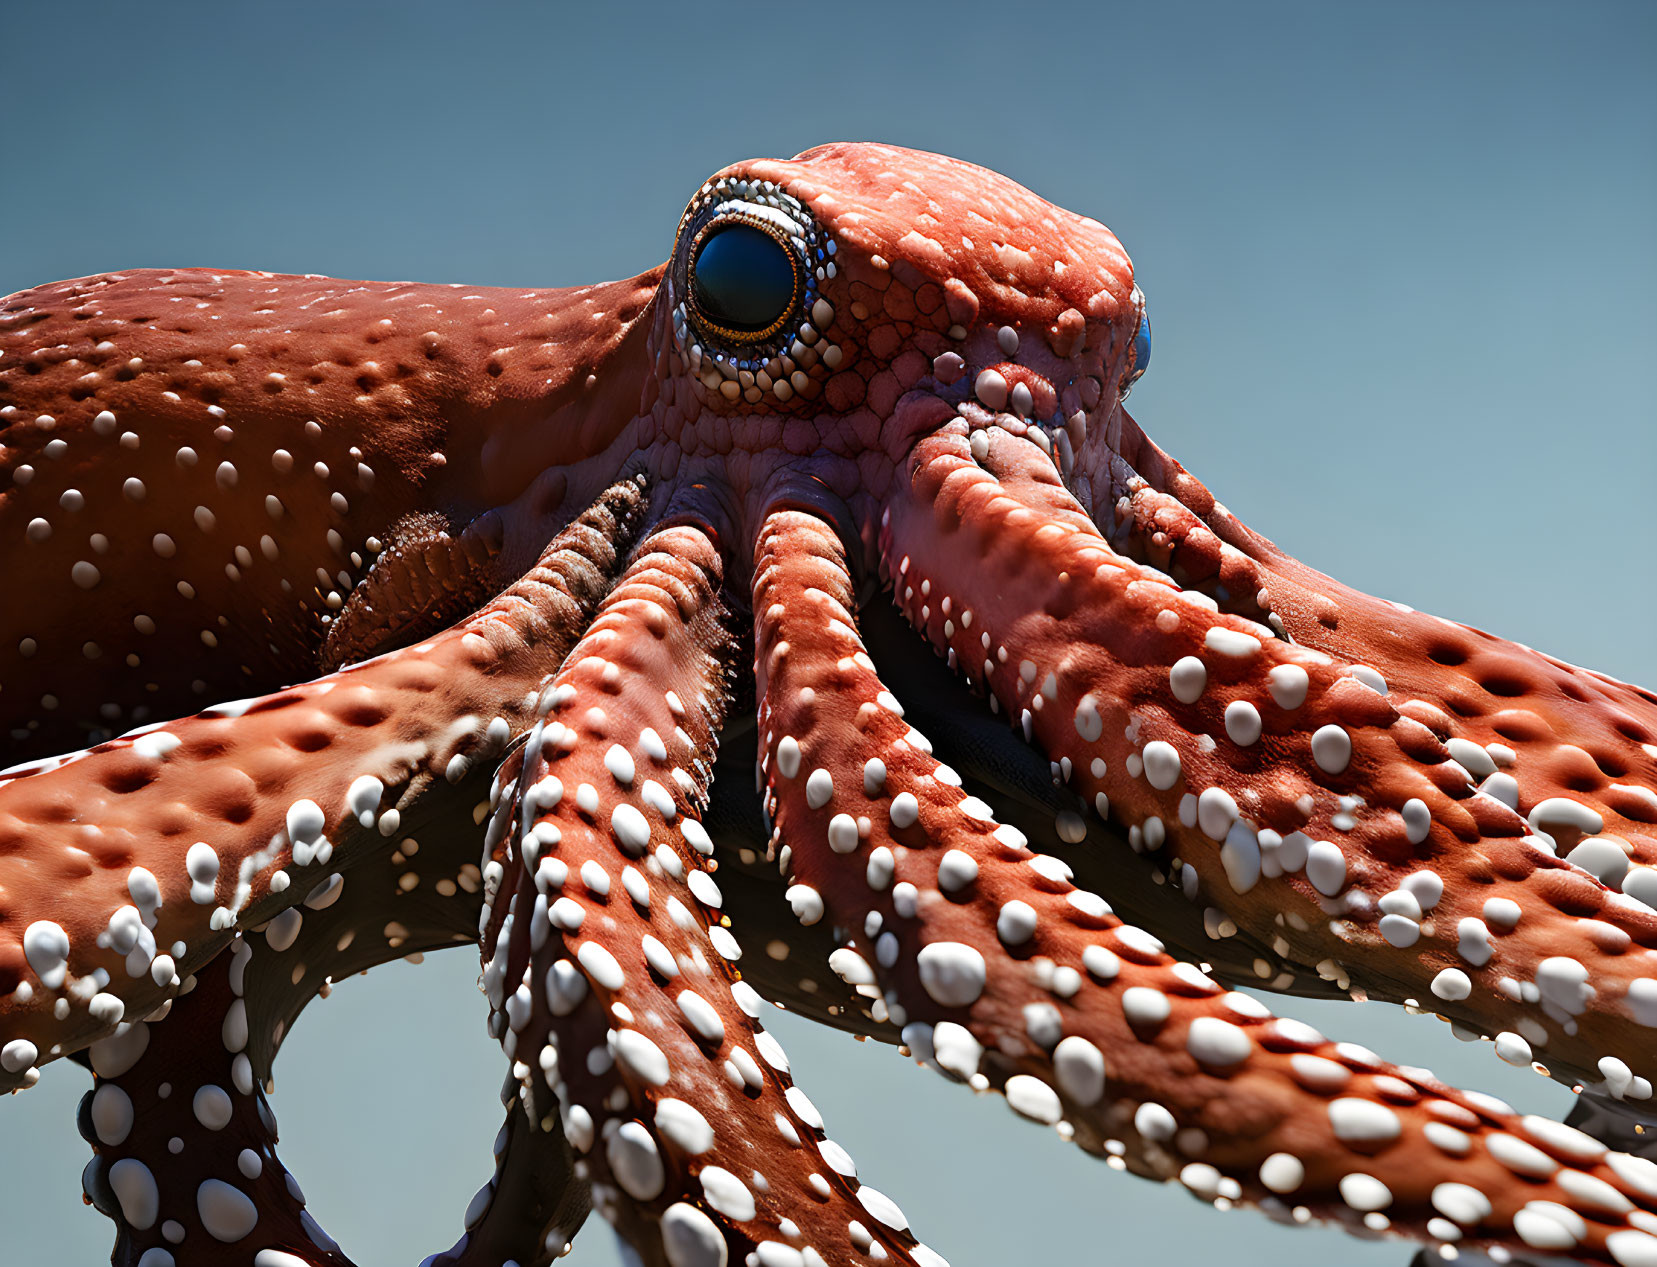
516, 552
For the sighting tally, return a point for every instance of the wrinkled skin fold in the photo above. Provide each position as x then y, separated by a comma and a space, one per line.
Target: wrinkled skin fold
367, 619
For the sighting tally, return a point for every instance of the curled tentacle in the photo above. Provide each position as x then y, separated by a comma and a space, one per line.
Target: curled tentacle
249, 811
1001, 972
609, 969
1291, 793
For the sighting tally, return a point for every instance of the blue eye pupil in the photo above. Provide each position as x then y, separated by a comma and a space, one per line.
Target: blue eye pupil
1141, 349
744, 279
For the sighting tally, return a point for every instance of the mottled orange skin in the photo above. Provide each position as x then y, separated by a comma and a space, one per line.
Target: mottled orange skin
221, 484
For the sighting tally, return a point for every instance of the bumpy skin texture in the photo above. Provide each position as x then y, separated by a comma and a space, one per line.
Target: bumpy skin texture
438, 536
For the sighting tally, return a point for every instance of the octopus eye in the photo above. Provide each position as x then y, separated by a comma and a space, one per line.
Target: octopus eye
1141, 354
744, 281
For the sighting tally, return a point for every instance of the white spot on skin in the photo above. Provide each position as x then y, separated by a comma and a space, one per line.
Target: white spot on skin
1473, 941
1145, 1007
1016, 923
1325, 867
807, 903
46, 947
701, 1016
1155, 1122
600, 965
1230, 642
1216, 812
201, 861
1356, 1121
1218, 1043
212, 1107
1426, 887
1187, 679
1288, 684
1032, 1098
227, 1213
991, 388
874, 776
136, 1191
1080, 1069
112, 1113
1461, 1203
631, 829
788, 757
1560, 811
636, 1162
1452, 985
1089, 724
641, 1057
684, 1126
883, 1208
819, 788
842, 833
905, 810
1365, 1192
283, 931
956, 871
952, 972
1242, 723
113, 1056
619, 762
1162, 765
727, 1194
1241, 857
1331, 749
691, 1239
1282, 1173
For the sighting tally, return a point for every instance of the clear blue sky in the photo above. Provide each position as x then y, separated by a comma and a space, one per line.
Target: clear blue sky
1403, 273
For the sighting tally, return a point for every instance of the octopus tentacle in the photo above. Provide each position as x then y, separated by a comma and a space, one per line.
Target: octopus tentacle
785, 963
1028, 792
234, 816
533, 1197
246, 1000
185, 1141
1003, 974
423, 578
608, 967
1574, 751
1291, 794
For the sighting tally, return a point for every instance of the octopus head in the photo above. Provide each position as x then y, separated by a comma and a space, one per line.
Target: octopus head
844, 302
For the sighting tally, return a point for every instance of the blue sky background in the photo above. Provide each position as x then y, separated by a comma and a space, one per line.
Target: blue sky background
1403, 274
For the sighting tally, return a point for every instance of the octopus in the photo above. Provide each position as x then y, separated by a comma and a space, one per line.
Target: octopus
804, 622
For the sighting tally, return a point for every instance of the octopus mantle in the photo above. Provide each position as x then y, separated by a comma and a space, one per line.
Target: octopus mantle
485, 573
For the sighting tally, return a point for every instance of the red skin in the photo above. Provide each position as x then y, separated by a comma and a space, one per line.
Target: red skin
367, 463
820, 695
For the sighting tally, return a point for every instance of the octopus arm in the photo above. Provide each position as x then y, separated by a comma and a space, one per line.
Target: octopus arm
1004, 974
1028, 792
786, 963
184, 1140
172, 838
1289, 793
609, 970
1573, 751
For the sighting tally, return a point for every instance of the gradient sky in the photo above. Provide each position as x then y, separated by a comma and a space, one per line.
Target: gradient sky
1403, 276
